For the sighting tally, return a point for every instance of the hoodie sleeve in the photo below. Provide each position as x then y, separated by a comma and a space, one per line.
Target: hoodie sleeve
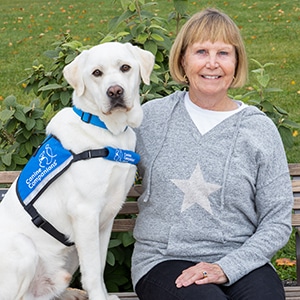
273, 203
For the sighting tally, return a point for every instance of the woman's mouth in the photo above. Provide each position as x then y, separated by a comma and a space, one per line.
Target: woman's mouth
211, 76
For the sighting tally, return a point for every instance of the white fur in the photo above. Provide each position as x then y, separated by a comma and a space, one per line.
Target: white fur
84, 200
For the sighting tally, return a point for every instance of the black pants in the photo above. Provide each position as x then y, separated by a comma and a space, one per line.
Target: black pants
159, 284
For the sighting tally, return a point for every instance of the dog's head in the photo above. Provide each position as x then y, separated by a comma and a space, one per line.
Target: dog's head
106, 81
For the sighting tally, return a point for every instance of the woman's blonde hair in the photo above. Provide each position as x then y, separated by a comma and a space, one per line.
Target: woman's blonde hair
209, 25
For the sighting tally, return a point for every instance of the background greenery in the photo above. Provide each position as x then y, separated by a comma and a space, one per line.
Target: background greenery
29, 28
270, 29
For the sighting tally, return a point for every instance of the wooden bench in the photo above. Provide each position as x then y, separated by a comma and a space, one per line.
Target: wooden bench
130, 207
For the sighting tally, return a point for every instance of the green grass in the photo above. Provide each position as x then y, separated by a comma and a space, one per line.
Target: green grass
271, 31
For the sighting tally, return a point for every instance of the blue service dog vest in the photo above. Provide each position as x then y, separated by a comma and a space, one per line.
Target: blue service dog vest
49, 161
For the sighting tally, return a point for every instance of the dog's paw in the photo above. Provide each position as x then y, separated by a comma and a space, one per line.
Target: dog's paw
73, 294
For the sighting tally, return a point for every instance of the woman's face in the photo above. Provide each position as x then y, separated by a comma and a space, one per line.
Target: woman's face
210, 68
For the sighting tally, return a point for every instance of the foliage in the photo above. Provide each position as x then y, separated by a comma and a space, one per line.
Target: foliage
21, 132
147, 31
117, 271
51, 85
260, 96
286, 268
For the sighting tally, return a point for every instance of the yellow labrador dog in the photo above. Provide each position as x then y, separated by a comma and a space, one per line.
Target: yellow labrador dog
47, 230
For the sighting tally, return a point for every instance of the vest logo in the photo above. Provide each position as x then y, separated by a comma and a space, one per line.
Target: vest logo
46, 164
46, 157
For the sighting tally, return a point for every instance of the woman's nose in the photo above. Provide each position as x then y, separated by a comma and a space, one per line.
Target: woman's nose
212, 62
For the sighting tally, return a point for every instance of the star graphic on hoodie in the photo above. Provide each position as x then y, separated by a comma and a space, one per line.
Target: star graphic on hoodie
196, 190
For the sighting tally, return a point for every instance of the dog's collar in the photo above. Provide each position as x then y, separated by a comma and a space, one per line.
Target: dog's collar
89, 118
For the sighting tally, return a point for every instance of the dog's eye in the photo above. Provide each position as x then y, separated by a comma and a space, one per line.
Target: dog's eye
97, 73
125, 68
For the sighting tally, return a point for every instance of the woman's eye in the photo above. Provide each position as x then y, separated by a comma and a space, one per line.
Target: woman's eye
223, 53
201, 51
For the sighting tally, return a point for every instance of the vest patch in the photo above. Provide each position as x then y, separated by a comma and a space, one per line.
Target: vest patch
49, 161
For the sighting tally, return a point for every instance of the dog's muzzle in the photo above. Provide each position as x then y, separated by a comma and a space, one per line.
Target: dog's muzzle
116, 95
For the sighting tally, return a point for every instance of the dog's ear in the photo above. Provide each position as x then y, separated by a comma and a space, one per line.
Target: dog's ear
73, 73
146, 61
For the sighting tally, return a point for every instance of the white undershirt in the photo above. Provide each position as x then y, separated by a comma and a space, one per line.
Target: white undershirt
206, 119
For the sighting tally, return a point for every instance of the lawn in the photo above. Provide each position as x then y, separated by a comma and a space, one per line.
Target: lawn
271, 31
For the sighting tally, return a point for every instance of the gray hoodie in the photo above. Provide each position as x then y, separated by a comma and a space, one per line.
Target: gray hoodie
224, 197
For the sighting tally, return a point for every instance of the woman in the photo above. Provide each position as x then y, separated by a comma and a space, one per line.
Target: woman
217, 196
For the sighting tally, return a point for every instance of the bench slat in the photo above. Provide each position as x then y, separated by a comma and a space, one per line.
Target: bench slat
296, 220
296, 186
8, 176
294, 169
292, 292
297, 203
123, 225
128, 208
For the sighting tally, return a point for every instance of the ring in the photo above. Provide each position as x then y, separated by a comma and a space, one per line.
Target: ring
204, 274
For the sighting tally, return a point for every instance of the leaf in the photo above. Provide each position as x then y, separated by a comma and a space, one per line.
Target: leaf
19, 115
157, 37
281, 110
258, 63
19, 160
142, 38
10, 101
35, 141
49, 87
30, 123
110, 258
151, 46
6, 114
273, 90
65, 97
73, 45
6, 159
263, 79
267, 106
114, 243
290, 123
11, 125
51, 53
181, 6
70, 58
127, 239
28, 147
286, 136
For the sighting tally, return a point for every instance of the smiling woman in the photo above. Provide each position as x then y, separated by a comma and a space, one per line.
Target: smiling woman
205, 228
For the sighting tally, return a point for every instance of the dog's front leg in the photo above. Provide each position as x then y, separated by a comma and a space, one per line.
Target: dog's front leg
87, 240
105, 233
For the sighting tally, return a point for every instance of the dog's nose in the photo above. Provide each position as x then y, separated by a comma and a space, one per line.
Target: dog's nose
115, 92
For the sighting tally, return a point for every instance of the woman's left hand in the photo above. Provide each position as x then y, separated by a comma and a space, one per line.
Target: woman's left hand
201, 273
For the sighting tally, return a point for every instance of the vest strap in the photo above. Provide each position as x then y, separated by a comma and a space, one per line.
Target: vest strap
40, 222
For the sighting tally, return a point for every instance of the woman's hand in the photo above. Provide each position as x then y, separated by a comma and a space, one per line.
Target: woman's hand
201, 273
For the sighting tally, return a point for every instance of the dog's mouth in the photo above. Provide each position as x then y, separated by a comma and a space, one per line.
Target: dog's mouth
114, 108
116, 96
